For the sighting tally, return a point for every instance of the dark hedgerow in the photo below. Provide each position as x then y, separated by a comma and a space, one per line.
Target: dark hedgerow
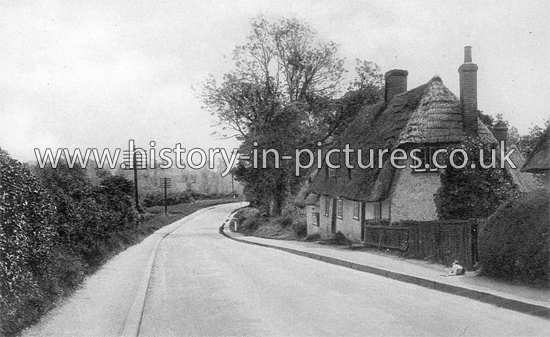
90, 220
514, 243
56, 226
27, 246
172, 198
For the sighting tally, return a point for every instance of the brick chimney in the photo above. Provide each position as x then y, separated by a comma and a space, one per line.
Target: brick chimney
500, 131
468, 92
396, 83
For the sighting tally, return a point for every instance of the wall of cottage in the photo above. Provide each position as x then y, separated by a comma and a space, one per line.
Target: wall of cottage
311, 228
413, 193
323, 228
349, 226
369, 209
325, 220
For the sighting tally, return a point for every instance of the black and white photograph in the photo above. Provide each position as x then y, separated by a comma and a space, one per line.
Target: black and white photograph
274, 168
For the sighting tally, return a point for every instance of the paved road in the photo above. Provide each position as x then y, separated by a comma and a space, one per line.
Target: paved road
206, 285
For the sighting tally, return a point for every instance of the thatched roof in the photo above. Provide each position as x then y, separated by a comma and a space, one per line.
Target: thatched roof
525, 182
430, 113
539, 160
312, 199
303, 197
375, 127
438, 118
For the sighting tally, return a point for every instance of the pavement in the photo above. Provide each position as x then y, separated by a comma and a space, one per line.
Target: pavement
520, 298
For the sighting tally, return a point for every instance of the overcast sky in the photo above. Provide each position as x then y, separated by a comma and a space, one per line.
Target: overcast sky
98, 73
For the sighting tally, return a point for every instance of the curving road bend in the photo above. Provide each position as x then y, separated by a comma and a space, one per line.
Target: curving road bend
203, 284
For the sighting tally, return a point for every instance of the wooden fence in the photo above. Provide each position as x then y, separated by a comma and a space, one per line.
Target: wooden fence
440, 241
387, 237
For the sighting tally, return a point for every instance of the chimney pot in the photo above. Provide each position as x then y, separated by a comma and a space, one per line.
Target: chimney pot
468, 54
500, 131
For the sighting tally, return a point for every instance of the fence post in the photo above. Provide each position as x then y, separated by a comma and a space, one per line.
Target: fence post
473, 234
363, 234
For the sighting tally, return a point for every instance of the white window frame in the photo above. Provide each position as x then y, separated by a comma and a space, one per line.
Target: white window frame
357, 210
315, 218
377, 210
340, 208
327, 206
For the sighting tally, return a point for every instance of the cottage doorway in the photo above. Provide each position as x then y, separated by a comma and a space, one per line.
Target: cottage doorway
334, 212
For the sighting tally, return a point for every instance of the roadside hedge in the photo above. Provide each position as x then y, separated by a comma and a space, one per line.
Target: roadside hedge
172, 198
175, 198
56, 227
514, 243
27, 241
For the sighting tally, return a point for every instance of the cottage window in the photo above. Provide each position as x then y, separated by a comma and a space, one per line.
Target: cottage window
426, 164
340, 209
327, 206
377, 211
315, 217
356, 209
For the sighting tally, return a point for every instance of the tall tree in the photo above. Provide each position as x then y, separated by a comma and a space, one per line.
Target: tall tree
526, 143
284, 94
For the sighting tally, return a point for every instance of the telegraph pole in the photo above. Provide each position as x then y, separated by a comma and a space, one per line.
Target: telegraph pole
136, 182
132, 162
232, 186
165, 183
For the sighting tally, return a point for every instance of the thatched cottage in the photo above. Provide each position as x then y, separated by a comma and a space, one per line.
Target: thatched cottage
539, 159
426, 117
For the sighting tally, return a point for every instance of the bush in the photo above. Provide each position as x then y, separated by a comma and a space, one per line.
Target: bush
285, 221
252, 224
469, 193
246, 213
89, 219
203, 196
155, 209
313, 237
172, 198
295, 216
300, 228
514, 243
338, 239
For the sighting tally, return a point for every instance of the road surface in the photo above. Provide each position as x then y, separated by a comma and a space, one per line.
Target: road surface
203, 284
